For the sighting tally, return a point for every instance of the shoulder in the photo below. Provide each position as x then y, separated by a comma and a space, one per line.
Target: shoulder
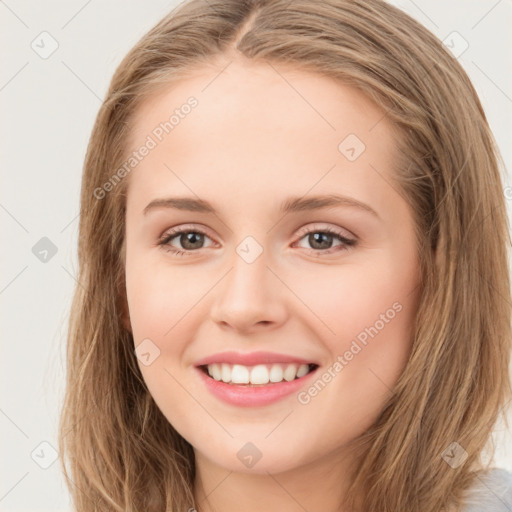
492, 492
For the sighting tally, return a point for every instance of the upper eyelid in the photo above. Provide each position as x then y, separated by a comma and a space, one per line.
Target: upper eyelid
308, 228
184, 229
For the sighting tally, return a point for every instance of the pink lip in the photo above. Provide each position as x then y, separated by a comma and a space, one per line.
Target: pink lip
250, 359
253, 396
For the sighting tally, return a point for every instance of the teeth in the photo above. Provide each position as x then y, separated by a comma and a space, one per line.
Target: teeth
226, 373
240, 374
215, 371
303, 370
290, 372
276, 373
258, 375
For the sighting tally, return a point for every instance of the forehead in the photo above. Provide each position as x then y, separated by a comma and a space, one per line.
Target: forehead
242, 93
263, 128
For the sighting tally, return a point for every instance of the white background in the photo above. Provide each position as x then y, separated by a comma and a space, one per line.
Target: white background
48, 108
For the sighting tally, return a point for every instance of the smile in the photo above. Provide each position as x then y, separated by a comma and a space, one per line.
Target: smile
249, 394
258, 375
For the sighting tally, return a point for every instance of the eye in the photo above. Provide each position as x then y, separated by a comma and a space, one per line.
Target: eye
191, 240
321, 239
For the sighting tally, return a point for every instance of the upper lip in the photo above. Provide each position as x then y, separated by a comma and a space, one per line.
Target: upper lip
251, 358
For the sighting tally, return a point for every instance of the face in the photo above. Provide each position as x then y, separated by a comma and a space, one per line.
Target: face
264, 236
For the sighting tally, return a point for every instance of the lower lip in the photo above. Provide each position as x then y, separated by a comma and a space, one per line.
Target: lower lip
252, 396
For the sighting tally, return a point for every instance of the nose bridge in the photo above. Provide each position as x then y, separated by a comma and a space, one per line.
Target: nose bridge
248, 276
248, 293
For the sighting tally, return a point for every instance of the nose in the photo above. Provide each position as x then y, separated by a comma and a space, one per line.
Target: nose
250, 297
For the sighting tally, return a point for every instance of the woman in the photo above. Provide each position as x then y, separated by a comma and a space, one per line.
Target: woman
260, 370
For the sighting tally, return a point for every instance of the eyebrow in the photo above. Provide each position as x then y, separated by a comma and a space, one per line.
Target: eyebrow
292, 204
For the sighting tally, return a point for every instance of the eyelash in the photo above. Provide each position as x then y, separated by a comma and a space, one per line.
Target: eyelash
166, 239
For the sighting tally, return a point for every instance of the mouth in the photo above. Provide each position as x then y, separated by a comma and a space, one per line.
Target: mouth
258, 375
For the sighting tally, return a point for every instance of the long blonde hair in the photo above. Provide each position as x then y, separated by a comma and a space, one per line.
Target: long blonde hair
118, 451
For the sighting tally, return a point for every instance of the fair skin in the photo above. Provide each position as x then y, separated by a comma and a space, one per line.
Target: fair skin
252, 142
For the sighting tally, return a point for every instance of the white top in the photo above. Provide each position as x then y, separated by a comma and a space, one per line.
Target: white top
492, 492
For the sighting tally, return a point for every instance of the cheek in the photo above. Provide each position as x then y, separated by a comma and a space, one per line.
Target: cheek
166, 307
368, 354
158, 305
357, 299
157, 299
367, 316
